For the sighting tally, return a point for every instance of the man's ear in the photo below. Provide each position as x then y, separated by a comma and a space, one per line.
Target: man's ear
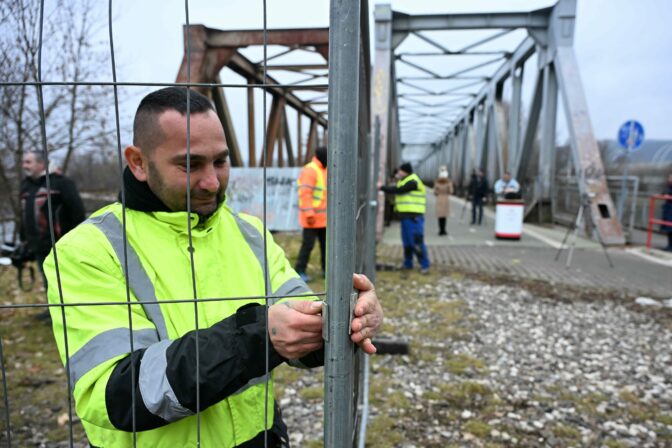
136, 162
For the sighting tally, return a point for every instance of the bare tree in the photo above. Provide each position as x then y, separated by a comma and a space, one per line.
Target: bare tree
75, 116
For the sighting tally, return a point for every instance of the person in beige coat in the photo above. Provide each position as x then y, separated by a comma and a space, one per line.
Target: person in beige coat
443, 188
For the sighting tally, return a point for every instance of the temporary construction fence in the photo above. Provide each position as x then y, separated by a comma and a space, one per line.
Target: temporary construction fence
352, 181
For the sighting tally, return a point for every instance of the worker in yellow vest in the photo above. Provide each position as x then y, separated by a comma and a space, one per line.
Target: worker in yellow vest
312, 184
409, 204
141, 370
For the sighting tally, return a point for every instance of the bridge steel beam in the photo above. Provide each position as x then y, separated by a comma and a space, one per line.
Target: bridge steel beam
524, 154
585, 152
212, 50
481, 137
383, 102
548, 124
465, 168
440, 22
514, 117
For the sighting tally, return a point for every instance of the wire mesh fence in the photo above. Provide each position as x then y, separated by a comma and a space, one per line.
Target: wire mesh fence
73, 298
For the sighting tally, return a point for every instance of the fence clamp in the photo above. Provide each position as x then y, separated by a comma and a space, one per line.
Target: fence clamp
353, 301
325, 321
325, 315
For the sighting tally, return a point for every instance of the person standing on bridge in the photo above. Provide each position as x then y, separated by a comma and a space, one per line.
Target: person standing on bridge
443, 188
478, 190
507, 187
410, 204
148, 394
312, 185
667, 214
66, 207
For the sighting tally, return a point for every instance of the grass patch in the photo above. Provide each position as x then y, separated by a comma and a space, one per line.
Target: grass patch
36, 380
314, 444
424, 355
566, 432
628, 396
461, 364
640, 412
379, 390
665, 419
446, 320
478, 428
611, 443
397, 401
467, 394
382, 433
312, 393
588, 403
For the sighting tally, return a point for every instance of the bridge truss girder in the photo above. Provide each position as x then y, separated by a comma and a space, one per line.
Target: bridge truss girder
210, 50
550, 35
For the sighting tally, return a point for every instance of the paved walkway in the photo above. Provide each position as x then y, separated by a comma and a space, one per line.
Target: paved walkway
474, 248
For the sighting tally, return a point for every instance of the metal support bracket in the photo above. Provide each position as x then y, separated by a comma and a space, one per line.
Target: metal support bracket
353, 301
325, 321
325, 315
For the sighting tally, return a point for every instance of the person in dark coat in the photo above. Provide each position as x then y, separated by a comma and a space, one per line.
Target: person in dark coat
478, 190
66, 204
667, 214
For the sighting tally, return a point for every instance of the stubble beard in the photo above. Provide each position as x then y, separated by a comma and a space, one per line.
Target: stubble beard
177, 201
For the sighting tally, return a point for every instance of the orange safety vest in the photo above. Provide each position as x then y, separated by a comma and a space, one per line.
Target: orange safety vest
312, 184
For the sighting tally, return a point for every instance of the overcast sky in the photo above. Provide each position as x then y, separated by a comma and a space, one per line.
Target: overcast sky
623, 47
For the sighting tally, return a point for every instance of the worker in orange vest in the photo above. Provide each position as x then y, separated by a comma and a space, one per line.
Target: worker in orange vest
312, 185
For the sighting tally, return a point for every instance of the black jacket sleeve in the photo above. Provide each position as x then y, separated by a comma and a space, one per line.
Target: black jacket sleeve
232, 352
73, 207
393, 189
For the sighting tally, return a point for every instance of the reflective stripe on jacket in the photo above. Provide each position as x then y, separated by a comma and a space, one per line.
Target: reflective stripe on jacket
413, 201
312, 183
228, 251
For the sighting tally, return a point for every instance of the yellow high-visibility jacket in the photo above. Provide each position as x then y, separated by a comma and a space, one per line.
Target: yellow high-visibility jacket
413, 201
235, 389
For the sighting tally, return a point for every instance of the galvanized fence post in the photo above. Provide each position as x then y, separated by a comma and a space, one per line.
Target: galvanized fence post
344, 43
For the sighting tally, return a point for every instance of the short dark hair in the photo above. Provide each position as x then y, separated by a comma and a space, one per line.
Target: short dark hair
321, 152
39, 155
146, 130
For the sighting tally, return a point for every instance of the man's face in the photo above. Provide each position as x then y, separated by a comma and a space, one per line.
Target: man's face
167, 163
32, 167
507, 177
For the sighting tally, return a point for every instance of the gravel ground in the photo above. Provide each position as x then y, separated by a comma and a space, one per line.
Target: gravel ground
490, 365
498, 366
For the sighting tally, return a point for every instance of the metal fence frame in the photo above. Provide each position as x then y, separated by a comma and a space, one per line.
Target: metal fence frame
351, 207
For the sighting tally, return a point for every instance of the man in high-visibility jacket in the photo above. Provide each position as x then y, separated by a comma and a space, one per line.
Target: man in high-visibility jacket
312, 184
211, 357
409, 204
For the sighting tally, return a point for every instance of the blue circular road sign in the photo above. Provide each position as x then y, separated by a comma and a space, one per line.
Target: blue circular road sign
631, 134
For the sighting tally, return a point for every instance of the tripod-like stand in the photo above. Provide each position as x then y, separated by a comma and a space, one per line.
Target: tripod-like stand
582, 213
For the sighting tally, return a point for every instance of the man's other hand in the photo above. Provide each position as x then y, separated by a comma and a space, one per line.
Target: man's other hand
368, 314
310, 220
295, 328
